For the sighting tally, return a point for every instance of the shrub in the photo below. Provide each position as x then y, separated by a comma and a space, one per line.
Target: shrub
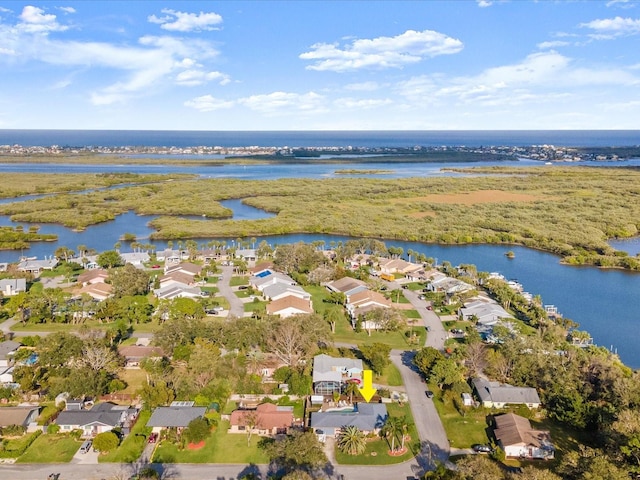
53, 428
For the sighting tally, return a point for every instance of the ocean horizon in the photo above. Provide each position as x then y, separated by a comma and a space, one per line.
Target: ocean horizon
319, 138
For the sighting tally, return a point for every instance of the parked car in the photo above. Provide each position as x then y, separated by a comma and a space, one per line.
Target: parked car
429, 394
429, 307
86, 446
420, 297
153, 438
480, 448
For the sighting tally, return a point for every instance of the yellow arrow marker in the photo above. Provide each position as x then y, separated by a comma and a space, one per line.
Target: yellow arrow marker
367, 391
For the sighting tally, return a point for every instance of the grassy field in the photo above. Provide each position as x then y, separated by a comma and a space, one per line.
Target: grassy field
378, 448
131, 448
134, 378
238, 281
396, 340
462, 431
220, 447
48, 448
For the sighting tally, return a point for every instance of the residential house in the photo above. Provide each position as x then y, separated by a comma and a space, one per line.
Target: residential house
347, 285
360, 303
6, 375
367, 417
187, 268
12, 286
269, 277
97, 291
137, 259
91, 277
266, 419
177, 415
8, 349
37, 266
134, 354
174, 290
246, 254
439, 282
330, 374
289, 305
516, 437
281, 290
397, 265
101, 418
169, 256
484, 312
21, 416
499, 395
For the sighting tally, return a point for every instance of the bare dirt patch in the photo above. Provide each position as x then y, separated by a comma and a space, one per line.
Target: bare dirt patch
472, 198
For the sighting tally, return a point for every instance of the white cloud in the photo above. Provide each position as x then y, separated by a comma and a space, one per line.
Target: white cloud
157, 61
363, 86
552, 44
540, 77
381, 52
35, 20
484, 3
68, 9
208, 103
186, 22
620, 4
361, 104
613, 27
199, 77
283, 103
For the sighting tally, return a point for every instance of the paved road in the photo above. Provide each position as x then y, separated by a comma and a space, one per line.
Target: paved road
436, 332
236, 307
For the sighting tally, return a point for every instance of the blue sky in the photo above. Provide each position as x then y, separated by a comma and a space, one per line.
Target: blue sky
327, 65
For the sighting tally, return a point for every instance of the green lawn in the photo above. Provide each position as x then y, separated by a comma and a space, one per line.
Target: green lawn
377, 450
237, 281
318, 296
255, 306
411, 314
14, 447
134, 378
220, 447
391, 377
48, 448
462, 432
131, 448
396, 340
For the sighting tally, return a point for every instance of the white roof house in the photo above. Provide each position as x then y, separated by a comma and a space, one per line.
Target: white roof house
12, 286
281, 290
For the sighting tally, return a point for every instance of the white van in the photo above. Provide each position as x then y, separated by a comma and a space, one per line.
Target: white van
86, 446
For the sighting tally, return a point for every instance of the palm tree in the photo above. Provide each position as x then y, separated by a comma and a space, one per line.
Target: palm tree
404, 429
352, 441
391, 428
351, 389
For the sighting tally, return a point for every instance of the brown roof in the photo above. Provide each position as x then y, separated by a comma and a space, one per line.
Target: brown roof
290, 301
368, 295
97, 274
177, 276
268, 417
185, 267
14, 415
345, 284
512, 429
134, 352
97, 290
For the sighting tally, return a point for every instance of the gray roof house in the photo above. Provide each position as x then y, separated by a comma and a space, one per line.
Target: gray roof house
103, 417
177, 415
12, 286
281, 290
330, 373
368, 417
7, 349
499, 395
486, 312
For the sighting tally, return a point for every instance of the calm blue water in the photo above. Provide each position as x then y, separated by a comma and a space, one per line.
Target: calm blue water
81, 138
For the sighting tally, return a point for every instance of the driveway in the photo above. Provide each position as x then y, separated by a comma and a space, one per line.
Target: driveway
236, 307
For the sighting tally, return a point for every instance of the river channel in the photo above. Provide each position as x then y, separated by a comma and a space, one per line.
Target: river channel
604, 302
